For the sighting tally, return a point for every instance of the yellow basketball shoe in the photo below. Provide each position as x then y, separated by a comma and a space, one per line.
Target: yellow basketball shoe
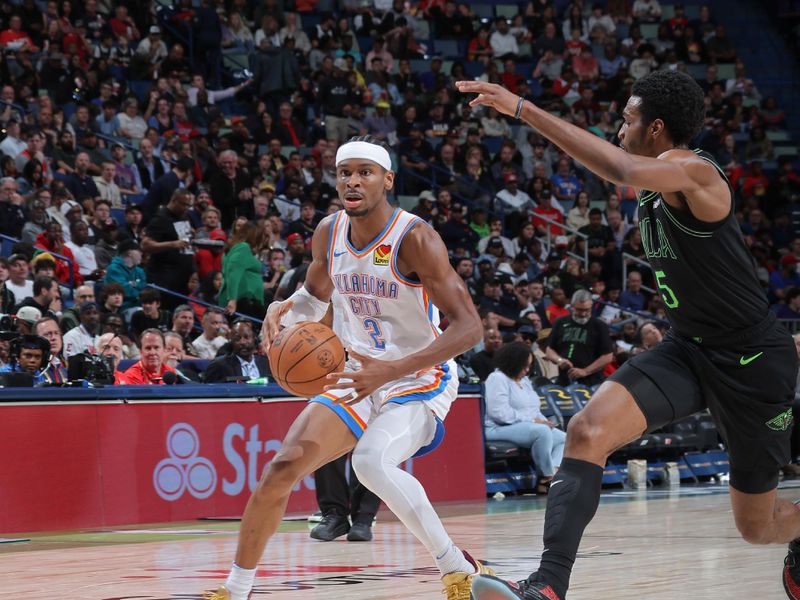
457, 585
222, 593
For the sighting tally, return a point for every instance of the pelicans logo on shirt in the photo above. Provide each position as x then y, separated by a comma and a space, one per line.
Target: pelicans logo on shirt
380, 256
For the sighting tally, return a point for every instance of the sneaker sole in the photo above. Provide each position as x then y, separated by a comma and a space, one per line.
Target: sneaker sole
484, 588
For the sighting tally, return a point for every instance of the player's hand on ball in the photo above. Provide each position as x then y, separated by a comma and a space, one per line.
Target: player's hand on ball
490, 94
272, 322
372, 375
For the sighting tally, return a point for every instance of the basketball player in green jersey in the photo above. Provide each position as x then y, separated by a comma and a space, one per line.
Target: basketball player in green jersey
725, 350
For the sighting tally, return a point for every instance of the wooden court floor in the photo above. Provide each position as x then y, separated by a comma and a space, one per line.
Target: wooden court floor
657, 545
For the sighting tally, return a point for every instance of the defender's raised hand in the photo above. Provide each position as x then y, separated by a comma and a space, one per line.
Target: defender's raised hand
490, 94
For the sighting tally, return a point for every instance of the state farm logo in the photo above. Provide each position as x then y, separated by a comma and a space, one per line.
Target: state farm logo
184, 469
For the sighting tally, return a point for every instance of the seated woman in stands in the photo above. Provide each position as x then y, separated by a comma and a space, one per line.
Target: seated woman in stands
513, 412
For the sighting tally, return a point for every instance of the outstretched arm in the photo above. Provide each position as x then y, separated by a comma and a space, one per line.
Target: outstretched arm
673, 171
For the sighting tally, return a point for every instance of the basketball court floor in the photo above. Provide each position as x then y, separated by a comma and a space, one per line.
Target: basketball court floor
659, 544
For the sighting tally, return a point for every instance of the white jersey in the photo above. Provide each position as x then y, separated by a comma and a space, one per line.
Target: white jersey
376, 310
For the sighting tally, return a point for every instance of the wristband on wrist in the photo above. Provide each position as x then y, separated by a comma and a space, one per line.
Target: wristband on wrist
519, 107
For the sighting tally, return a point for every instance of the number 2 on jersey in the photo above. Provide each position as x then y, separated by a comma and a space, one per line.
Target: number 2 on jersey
373, 326
668, 296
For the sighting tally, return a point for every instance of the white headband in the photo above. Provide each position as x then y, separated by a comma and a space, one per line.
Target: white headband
366, 150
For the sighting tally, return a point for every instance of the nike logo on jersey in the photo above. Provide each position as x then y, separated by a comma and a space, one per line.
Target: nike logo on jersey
555, 483
746, 360
339, 253
657, 203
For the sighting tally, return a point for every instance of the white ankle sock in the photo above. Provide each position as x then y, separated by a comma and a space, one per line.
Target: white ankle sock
452, 560
240, 582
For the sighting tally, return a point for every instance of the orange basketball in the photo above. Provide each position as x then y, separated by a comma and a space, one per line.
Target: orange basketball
302, 355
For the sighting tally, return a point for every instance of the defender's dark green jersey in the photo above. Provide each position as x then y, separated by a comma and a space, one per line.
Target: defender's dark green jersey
704, 271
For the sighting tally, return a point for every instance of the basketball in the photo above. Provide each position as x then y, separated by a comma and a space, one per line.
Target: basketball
301, 356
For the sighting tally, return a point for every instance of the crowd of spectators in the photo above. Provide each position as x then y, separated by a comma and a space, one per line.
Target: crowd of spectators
133, 155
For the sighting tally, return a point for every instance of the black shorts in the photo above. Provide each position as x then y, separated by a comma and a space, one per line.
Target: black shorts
748, 387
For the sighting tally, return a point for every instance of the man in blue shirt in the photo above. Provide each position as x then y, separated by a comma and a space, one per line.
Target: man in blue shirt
633, 298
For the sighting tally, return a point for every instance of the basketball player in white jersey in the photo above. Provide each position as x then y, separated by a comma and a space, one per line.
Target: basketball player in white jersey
385, 272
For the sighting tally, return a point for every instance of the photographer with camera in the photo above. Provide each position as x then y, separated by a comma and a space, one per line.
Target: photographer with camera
110, 347
55, 370
27, 355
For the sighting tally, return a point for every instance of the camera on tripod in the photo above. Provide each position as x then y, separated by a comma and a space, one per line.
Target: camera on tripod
93, 368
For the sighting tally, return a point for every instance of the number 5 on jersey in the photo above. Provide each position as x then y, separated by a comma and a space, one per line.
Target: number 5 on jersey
667, 295
373, 326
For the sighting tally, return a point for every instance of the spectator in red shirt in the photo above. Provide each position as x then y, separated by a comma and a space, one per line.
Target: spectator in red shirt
558, 305
151, 368
546, 209
209, 258
755, 182
52, 240
14, 38
585, 65
122, 25
510, 78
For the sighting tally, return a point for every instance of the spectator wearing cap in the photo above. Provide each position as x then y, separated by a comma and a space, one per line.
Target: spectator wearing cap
546, 210
164, 187
27, 316
786, 276
83, 252
83, 337
150, 52
496, 231
425, 208
497, 300
125, 271
456, 232
382, 124
495, 251
132, 228
511, 199
580, 344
